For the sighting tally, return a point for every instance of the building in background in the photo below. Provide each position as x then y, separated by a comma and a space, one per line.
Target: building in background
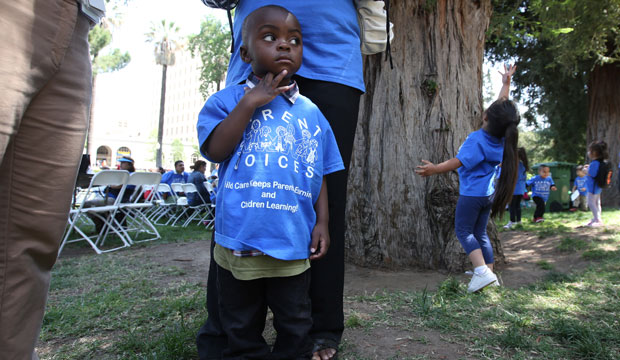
125, 124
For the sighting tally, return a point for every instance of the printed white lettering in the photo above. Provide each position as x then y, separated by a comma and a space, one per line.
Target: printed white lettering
287, 116
303, 124
267, 114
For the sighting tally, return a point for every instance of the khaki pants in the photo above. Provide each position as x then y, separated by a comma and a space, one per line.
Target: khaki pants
45, 91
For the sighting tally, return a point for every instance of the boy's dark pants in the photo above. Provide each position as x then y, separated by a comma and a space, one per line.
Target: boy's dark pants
515, 208
540, 207
340, 105
243, 309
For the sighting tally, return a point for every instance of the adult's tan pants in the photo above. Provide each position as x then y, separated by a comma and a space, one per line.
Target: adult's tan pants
45, 91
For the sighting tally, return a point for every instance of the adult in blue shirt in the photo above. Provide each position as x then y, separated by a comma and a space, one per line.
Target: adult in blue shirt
197, 177
331, 76
178, 175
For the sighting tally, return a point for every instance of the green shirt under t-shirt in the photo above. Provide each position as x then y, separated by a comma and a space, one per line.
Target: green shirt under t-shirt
257, 267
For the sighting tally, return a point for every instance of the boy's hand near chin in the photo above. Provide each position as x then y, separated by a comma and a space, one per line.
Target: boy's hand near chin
320, 241
266, 90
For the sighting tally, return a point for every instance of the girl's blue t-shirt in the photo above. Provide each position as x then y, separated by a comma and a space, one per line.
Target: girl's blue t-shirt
541, 186
591, 183
520, 186
330, 37
267, 188
480, 154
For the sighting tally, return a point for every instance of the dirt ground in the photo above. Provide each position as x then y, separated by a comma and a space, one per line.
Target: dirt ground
522, 249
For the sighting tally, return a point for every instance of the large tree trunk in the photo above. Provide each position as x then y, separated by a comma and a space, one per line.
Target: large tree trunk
422, 109
162, 107
604, 120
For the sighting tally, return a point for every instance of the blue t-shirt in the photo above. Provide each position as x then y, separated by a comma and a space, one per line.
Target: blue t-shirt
591, 185
268, 186
480, 154
330, 37
541, 186
174, 177
580, 183
520, 186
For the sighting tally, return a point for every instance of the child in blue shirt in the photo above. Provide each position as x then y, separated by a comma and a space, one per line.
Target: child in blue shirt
274, 148
515, 204
580, 185
541, 184
597, 152
477, 162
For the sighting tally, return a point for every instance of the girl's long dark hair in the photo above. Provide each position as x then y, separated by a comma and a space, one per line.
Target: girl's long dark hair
502, 120
523, 158
600, 148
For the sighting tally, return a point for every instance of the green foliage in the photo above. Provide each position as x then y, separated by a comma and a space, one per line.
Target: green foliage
212, 44
166, 39
177, 150
555, 43
100, 37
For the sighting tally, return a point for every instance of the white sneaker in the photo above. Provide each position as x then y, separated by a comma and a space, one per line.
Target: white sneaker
509, 225
479, 282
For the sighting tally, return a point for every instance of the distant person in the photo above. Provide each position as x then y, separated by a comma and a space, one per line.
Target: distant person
273, 218
111, 193
541, 185
515, 203
178, 175
581, 202
597, 152
477, 162
197, 177
45, 83
161, 170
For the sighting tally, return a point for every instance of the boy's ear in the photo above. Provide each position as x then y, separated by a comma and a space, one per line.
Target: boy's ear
245, 56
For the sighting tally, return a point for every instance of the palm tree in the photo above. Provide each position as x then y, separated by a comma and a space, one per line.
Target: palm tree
165, 37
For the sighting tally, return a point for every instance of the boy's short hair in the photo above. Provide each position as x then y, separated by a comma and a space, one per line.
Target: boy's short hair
579, 168
246, 22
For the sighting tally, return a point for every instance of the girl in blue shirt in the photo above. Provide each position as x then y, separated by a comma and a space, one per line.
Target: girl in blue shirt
597, 151
480, 195
517, 195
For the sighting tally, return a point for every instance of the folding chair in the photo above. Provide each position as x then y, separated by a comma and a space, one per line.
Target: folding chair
134, 211
209, 218
104, 212
197, 209
181, 202
163, 208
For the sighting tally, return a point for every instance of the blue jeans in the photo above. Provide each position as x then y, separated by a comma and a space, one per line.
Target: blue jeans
470, 225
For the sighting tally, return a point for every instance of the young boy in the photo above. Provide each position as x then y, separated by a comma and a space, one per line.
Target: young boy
274, 148
580, 185
541, 184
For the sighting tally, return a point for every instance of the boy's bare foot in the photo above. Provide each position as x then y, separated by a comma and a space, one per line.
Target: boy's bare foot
324, 354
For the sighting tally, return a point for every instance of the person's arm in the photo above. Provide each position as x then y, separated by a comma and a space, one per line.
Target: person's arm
553, 188
429, 168
227, 134
320, 233
504, 93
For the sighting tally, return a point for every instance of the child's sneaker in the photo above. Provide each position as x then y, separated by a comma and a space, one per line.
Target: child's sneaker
479, 282
538, 220
595, 223
509, 226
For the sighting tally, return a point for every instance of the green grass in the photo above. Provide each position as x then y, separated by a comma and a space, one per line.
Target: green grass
117, 306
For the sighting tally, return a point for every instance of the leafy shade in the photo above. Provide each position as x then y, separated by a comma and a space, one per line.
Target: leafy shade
556, 44
212, 44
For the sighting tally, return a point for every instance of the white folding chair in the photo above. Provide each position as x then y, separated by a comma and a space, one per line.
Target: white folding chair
164, 208
105, 212
134, 211
197, 209
209, 218
181, 202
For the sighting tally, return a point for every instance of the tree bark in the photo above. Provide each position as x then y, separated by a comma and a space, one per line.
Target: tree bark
424, 108
160, 128
604, 120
